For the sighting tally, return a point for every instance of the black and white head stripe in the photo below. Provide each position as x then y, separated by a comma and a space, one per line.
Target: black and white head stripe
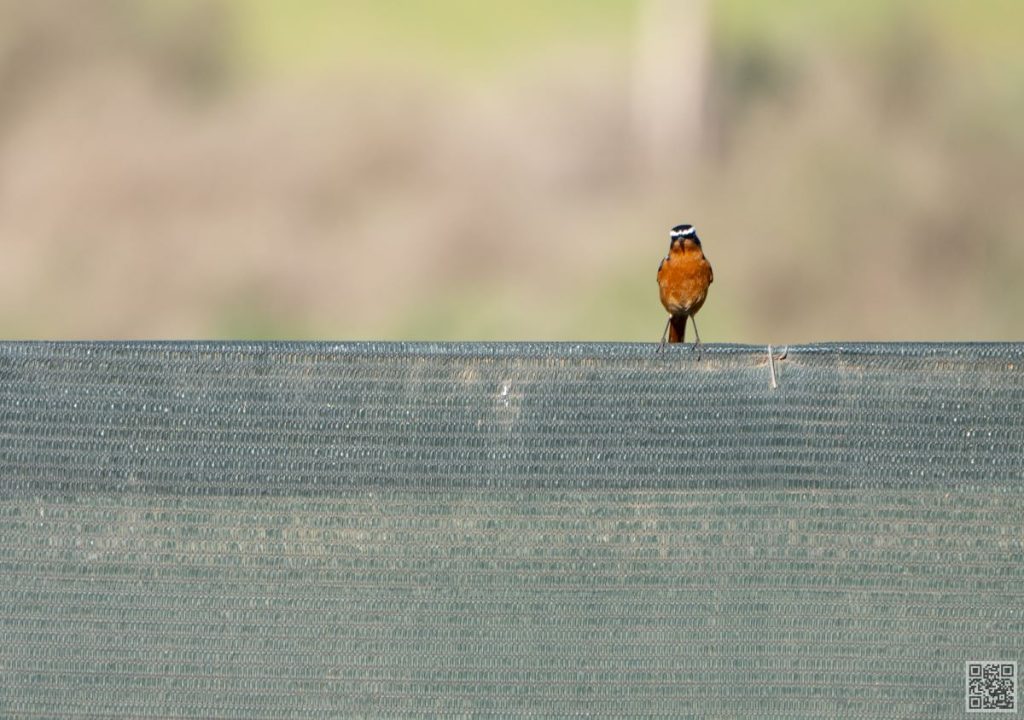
681, 231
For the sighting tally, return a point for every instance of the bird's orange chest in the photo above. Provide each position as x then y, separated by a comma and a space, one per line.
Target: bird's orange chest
683, 279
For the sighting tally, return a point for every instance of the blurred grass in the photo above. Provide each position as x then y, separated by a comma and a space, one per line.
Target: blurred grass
455, 37
467, 170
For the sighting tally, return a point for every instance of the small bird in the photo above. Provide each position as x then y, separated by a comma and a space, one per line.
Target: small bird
683, 279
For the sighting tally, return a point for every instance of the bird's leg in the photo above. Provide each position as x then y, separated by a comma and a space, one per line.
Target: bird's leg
664, 335
696, 343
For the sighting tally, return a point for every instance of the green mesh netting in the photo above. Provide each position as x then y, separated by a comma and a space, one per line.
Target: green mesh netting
309, 530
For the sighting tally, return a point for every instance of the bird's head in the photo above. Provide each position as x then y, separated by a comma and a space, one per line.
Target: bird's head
681, 233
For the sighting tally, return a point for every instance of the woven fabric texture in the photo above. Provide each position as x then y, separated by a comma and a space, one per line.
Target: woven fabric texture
270, 530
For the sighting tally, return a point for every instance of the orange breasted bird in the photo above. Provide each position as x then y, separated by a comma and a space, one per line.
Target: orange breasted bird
684, 276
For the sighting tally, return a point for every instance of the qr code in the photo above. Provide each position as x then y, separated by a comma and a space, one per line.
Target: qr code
991, 686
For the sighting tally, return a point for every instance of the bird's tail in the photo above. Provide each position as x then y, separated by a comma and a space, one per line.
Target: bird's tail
677, 329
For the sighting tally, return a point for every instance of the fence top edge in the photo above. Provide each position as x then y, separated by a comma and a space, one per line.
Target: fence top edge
563, 349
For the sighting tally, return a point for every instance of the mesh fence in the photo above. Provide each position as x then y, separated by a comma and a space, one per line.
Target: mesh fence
306, 530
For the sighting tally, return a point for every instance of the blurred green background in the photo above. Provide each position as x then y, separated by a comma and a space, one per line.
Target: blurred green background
458, 169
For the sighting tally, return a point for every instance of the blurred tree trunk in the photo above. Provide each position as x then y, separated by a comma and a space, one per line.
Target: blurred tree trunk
669, 85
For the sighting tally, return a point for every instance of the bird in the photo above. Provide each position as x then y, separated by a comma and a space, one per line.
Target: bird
684, 276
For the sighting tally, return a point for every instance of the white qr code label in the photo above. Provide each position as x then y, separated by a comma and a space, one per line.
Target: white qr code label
991, 686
